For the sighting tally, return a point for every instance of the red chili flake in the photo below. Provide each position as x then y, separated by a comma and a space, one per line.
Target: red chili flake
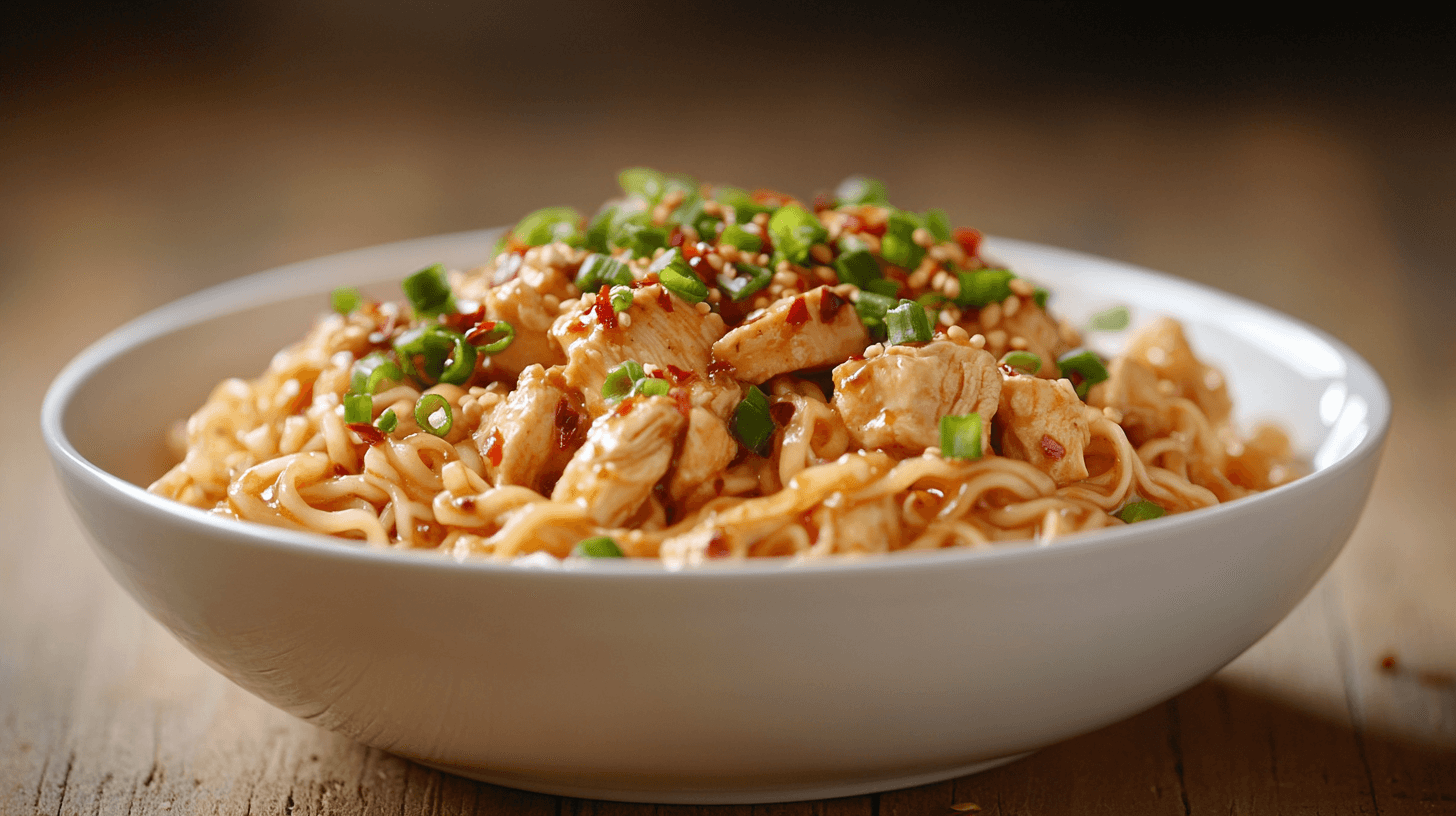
371, 435
798, 312
829, 305
1388, 663
773, 198
303, 400
625, 406
458, 321
495, 451
481, 331
568, 425
1052, 448
720, 366
684, 405
664, 299
676, 238
852, 223
781, 412
681, 376
515, 246
718, 545
466, 503
606, 316
969, 239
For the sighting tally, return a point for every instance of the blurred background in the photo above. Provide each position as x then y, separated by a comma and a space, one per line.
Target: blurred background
150, 149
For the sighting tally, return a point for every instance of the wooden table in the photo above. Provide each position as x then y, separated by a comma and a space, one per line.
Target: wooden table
127, 187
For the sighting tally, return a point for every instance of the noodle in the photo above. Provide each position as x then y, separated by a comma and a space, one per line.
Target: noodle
757, 383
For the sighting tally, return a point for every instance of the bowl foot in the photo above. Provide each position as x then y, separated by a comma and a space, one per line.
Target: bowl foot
623, 789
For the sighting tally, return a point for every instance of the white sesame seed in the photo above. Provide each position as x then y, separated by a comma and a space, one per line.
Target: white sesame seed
703, 307
922, 236
1020, 343
996, 339
874, 351
1011, 305
957, 333
991, 315
821, 253
978, 341
624, 319
1022, 286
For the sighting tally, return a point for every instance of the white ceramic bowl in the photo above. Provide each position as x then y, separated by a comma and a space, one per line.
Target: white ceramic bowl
739, 683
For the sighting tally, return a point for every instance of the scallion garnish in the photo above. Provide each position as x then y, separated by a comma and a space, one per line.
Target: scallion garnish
858, 267
345, 299
907, 323
597, 547
749, 279
751, 421
885, 287
872, 308
598, 269
387, 421
960, 436
898, 245
744, 207
599, 228
622, 297
548, 225
1140, 511
794, 231
861, 190
507, 334
982, 287
639, 236
739, 237
1023, 361
434, 354
652, 387
428, 408
621, 380
938, 224
358, 408
371, 370
677, 277
1039, 297
1113, 319
1084, 369
429, 292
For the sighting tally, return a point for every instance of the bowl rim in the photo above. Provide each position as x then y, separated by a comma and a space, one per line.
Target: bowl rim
289, 281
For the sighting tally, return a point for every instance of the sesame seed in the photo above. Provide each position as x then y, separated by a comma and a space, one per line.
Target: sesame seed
937, 281
703, 307
826, 274
922, 236
624, 319
991, 315
874, 351
821, 253
712, 208
1011, 305
761, 219
978, 341
946, 319
918, 279
932, 451
762, 259
716, 261
996, 339
957, 333
1020, 343
1022, 286
952, 288
714, 296
784, 277
728, 252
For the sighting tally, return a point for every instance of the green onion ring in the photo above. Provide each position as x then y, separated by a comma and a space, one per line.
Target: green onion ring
427, 406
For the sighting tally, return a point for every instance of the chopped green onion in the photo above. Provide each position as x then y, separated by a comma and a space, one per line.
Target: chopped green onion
898, 245
371, 370
858, 267
1023, 361
960, 436
444, 354
751, 421
652, 387
427, 408
884, 286
739, 237
1084, 369
597, 547
982, 287
907, 323
750, 279
861, 190
744, 207
639, 236
621, 379
345, 299
429, 292
677, 277
1140, 511
507, 333
643, 182
358, 408
1040, 298
872, 308
852, 242
598, 269
938, 224
622, 297
387, 421
599, 228
1113, 319
548, 225
794, 231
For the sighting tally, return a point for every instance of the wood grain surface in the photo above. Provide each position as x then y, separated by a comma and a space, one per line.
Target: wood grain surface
128, 179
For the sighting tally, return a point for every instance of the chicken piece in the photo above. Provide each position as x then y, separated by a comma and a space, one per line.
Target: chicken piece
529, 302
1131, 389
625, 454
1163, 346
1044, 423
871, 527
659, 328
522, 443
894, 401
707, 450
816, 329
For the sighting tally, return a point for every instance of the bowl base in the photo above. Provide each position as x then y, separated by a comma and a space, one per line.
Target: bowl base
747, 794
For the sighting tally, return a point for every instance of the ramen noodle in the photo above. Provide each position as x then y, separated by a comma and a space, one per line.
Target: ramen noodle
700, 372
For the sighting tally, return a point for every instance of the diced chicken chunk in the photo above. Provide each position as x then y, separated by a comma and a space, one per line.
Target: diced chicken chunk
659, 328
1163, 346
530, 311
1132, 390
816, 329
871, 527
1044, 423
521, 444
707, 450
625, 454
894, 401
